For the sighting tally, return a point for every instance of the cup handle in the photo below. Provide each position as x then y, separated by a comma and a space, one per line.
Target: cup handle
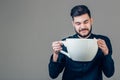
63, 52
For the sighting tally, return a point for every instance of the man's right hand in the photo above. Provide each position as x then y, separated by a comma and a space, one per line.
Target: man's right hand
56, 46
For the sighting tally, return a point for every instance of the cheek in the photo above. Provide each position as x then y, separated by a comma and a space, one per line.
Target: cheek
89, 27
77, 27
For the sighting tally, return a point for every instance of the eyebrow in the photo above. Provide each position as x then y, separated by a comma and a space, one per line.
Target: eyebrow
86, 20
83, 21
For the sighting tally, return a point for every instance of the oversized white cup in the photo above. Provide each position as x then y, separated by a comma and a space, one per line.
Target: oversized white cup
80, 49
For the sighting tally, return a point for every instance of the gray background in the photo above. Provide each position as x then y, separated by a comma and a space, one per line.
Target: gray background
28, 28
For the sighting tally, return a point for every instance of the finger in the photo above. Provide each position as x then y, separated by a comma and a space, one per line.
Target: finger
101, 46
56, 44
60, 42
56, 49
100, 41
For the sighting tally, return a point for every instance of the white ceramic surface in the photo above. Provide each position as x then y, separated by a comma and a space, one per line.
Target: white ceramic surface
80, 49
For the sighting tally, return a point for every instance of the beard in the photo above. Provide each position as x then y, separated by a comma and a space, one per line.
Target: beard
84, 36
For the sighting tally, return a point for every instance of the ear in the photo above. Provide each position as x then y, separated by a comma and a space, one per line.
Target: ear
92, 20
72, 23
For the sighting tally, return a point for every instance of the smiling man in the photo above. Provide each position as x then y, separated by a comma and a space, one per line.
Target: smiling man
82, 25
78, 70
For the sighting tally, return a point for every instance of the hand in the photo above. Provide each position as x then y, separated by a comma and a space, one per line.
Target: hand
56, 46
102, 45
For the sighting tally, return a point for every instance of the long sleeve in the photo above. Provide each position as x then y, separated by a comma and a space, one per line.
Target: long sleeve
108, 63
55, 68
108, 66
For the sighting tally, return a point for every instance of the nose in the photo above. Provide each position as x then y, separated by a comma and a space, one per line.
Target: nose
83, 25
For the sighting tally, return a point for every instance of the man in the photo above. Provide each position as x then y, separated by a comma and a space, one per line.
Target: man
76, 70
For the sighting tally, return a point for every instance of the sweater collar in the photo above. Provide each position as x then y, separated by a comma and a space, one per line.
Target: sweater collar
91, 36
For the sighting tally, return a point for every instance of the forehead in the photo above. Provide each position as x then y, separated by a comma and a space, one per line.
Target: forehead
81, 18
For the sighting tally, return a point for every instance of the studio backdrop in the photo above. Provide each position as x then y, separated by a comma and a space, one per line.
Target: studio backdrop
28, 28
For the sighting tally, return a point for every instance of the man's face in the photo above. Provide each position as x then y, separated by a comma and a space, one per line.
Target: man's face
82, 25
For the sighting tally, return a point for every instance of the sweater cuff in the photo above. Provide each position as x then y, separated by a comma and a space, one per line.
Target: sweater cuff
107, 57
52, 62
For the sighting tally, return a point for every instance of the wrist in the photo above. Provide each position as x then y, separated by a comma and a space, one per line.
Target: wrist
55, 57
106, 52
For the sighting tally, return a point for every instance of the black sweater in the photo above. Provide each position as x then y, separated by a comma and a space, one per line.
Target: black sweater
76, 70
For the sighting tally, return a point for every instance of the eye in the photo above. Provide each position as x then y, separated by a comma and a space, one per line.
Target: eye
85, 22
77, 23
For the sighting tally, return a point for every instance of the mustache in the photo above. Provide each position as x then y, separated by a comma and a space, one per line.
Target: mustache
84, 29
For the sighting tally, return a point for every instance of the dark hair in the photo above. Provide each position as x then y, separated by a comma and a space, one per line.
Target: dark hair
80, 10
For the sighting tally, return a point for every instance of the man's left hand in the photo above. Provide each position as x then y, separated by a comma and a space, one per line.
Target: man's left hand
102, 45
